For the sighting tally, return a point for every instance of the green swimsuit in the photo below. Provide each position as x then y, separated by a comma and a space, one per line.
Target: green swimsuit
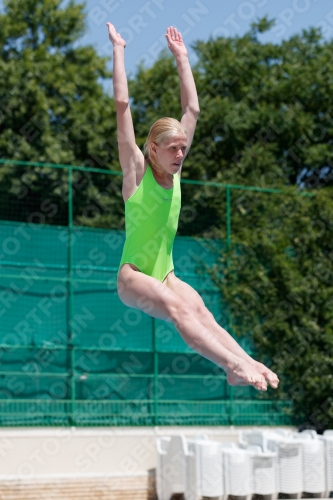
151, 216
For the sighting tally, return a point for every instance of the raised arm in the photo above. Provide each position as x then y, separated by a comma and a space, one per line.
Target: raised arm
129, 153
188, 91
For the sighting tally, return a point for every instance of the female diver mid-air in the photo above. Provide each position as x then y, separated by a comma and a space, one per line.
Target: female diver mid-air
151, 192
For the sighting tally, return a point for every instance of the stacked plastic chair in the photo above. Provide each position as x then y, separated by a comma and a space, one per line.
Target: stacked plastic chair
289, 457
314, 474
328, 440
266, 463
171, 466
264, 479
290, 473
204, 470
237, 471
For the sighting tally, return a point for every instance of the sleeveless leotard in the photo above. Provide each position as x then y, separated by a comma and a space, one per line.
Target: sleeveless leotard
151, 218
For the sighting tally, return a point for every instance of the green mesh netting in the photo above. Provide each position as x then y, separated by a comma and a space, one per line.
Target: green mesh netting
72, 353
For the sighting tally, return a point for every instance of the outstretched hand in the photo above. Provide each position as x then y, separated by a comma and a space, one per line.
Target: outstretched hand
115, 37
175, 42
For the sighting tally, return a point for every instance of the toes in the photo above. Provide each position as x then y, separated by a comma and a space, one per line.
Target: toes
272, 380
260, 384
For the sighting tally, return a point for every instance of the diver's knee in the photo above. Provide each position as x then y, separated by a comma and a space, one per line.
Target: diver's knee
180, 312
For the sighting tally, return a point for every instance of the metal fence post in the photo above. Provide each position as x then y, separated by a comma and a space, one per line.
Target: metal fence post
228, 217
228, 242
70, 304
155, 392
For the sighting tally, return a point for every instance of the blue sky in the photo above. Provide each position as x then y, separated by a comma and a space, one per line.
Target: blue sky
143, 22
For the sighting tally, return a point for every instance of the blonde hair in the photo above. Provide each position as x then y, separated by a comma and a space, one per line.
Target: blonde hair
161, 130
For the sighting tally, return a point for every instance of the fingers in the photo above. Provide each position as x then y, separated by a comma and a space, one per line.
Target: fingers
115, 37
111, 28
112, 31
173, 34
168, 34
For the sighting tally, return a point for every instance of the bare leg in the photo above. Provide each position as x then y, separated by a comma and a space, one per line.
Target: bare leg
191, 296
158, 300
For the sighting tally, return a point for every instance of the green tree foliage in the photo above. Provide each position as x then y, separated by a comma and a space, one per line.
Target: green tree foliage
275, 102
266, 110
53, 108
276, 278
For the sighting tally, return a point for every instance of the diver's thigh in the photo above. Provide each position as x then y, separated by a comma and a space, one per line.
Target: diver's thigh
146, 293
184, 291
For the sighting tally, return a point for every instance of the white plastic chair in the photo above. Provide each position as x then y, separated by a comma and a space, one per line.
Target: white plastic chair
289, 456
254, 437
314, 474
327, 437
204, 470
264, 479
170, 470
237, 471
289, 465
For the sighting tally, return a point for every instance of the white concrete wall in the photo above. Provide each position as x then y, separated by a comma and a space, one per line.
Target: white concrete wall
30, 453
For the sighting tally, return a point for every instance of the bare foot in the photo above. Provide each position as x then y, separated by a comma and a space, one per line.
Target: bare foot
270, 376
245, 374
233, 379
